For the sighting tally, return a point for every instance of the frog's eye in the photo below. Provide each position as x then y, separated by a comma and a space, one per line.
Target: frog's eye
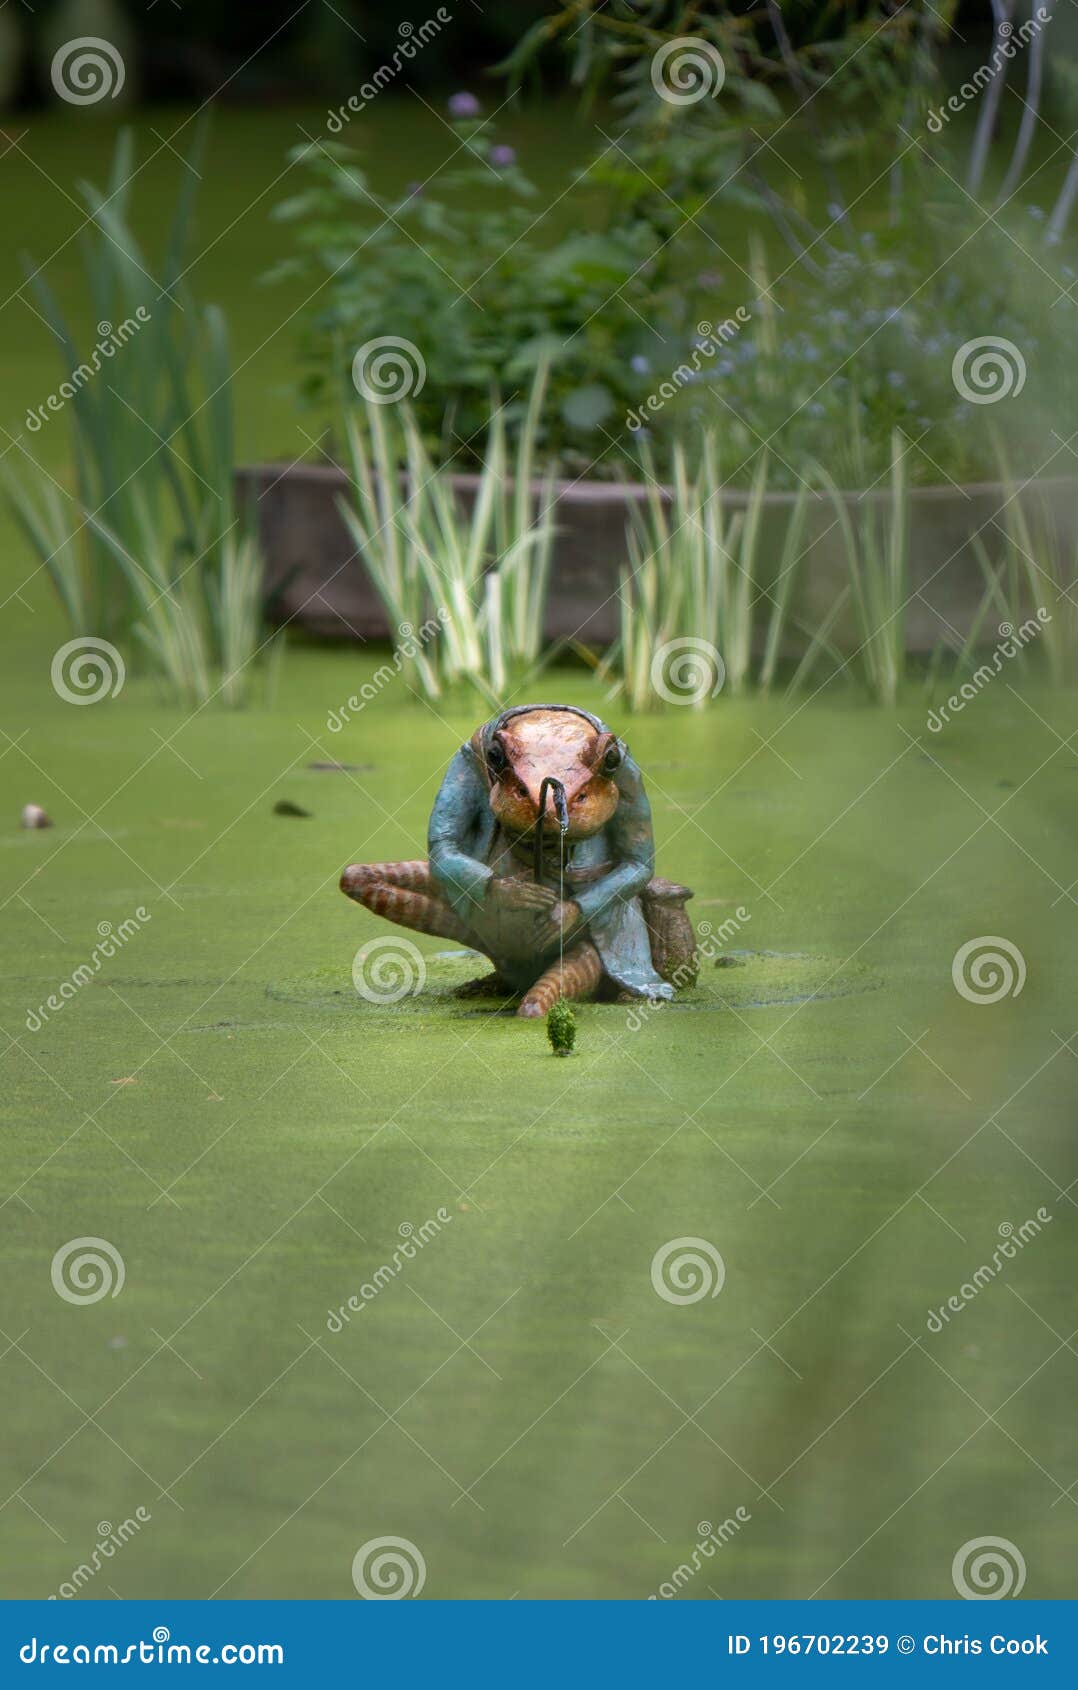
613, 758
497, 761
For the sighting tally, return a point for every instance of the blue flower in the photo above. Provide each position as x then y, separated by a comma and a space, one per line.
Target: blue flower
463, 105
639, 364
501, 157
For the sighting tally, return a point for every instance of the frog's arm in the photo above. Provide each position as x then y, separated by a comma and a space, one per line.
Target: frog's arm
633, 847
462, 799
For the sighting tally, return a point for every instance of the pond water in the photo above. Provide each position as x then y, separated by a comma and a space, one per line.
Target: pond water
850, 1133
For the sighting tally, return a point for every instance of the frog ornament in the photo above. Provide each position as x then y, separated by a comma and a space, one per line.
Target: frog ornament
542, 859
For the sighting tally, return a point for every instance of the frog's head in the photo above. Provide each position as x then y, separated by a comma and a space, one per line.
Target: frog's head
531, 753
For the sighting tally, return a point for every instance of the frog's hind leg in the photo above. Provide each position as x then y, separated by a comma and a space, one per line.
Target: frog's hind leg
404, 893
576, 974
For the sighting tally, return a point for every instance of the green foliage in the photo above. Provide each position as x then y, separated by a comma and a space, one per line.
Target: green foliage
694, 596
876, 543
484, 300
1036, 572
476, 574
561, 1027
150, 545
881, 286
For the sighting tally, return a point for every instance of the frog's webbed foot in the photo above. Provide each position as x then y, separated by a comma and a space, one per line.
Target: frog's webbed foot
576, 974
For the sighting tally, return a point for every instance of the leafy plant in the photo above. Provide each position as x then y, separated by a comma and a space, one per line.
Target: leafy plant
561, 1027
876, 543
870, 315
694, 586
150, 545
462, 277
483, 570
1039, 568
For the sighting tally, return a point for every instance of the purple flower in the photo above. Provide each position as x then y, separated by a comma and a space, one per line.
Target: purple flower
463, 105
501, 157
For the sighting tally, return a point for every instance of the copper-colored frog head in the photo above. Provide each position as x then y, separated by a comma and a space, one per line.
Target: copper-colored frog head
558, 764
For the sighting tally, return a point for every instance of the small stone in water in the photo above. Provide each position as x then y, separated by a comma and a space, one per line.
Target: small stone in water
285, 807
34, 816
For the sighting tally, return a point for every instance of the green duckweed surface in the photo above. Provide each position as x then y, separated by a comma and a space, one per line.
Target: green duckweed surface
851, 1135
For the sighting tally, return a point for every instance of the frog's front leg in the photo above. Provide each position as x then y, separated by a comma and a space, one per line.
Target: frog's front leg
405, 893
574, 975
